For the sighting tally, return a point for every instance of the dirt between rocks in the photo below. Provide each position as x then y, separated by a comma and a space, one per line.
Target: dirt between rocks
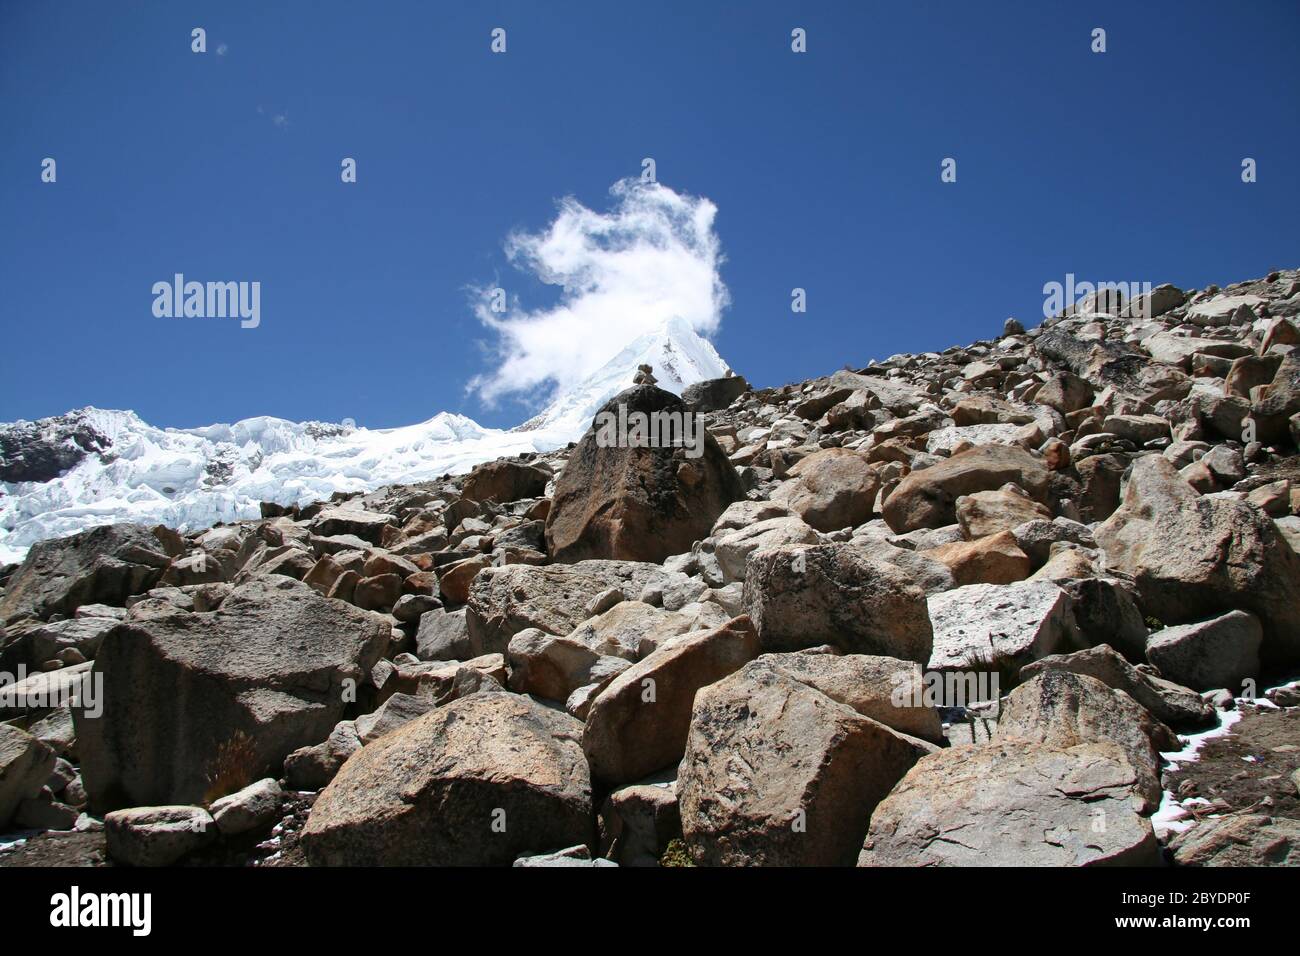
1254, 761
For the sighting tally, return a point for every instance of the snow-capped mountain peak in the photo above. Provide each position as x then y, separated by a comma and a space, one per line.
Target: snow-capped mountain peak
678, 355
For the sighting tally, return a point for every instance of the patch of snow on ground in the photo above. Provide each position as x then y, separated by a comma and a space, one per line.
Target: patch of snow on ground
9, 841
1171, 816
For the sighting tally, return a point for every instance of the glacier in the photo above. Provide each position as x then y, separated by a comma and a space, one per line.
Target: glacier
193, 478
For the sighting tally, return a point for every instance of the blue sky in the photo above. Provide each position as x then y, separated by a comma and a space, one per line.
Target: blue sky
824, 168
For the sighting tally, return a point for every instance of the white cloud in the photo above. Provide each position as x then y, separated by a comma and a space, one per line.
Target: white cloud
652, 257
281, 119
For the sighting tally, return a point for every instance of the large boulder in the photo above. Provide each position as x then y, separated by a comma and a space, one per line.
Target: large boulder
37, 694
1066, 564
479, 782
1193, 557
1014, 802
104, 565
1251, 839
638, 724
984, 408
1101, 363
571, 856
885, 689
637, 822
1156, 302
554, 667
1037, 536
814, 405
1064, 709
378, 593
25, 765
995, 559
454, 584
397, 710
639, 503
1224, 309
199, 705
1208, 655
830, 489
157, 836
776, 773
1248, 372
82, 634
928, 498
255, 807
367, 525
1107, 613
714, 394
856, 411
443, 636
744, 513
900, 397
1100, 480
930, 575
630, 629
989, 512
988, 626
554, 598
504, 481
1139, 429
1065, 392
1279, 401
212, 567
801, 597
1222, 416
1167, 702
732, 547
311, 768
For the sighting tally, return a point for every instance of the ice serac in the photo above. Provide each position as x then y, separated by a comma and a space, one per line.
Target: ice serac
91, 467
195, 477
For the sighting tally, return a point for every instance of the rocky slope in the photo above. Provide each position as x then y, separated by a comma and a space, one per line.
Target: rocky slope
963, 608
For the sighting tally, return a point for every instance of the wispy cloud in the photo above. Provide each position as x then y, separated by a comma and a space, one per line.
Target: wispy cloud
653, 256
280, 118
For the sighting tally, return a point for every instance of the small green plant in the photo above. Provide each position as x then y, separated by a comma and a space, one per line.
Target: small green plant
234, 767
1154, 624
676, 854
